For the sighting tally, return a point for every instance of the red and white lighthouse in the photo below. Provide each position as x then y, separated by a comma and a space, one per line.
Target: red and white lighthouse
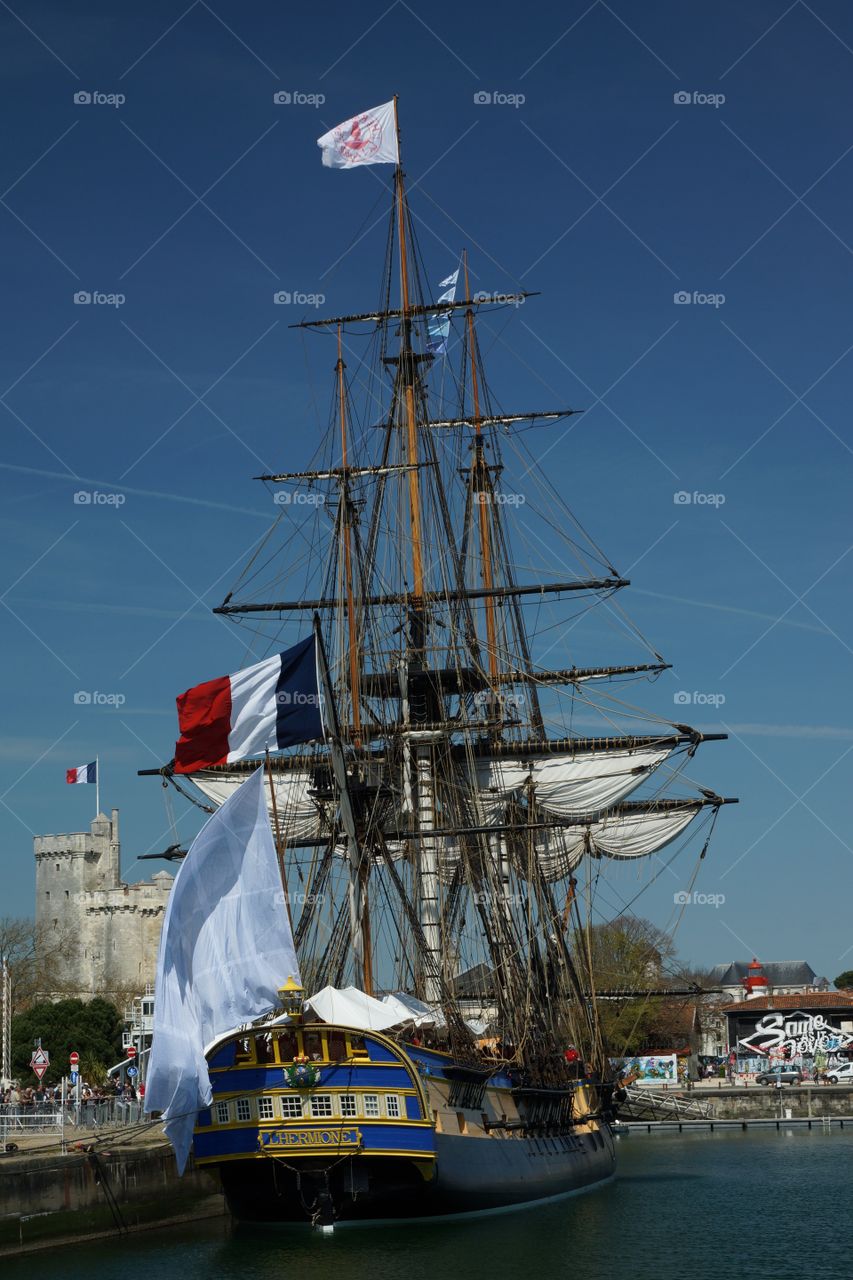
755, 983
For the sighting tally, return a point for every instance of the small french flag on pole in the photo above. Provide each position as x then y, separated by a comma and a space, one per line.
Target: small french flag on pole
83, 773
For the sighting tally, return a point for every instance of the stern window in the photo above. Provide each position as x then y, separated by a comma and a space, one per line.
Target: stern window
337, 1045
321, 1105
244, 1109
392, 1106
291, 1106
371, 1105
223, 1114
243, 1052
313, 1042
288, 1046
349, 1105
266, 1109
263, 1048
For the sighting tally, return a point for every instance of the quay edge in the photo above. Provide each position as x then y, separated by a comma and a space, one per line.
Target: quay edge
50, 1199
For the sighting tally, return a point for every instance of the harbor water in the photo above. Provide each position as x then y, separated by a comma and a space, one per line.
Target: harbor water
693, 1206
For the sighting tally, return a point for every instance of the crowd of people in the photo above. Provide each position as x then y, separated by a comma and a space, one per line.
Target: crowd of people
16, 1099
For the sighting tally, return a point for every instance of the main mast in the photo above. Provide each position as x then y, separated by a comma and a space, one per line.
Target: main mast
462, 820
407, 375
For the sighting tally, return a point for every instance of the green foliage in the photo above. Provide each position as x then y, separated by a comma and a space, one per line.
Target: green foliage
844, 980
628, 954
91, 1028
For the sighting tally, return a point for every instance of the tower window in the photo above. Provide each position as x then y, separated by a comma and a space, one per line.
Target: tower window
47, 894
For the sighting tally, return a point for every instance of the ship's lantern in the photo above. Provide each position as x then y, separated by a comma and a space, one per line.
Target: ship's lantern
292, 996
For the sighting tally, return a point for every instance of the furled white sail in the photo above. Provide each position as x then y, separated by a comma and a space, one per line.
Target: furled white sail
619, 835
565, 784
298, 815
635, 835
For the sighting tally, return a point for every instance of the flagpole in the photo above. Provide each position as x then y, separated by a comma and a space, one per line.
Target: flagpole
97, 785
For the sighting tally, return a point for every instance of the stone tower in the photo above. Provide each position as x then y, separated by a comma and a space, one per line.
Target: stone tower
108, 931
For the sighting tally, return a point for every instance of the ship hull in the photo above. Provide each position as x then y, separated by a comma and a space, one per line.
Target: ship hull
472, 1175
328, 1123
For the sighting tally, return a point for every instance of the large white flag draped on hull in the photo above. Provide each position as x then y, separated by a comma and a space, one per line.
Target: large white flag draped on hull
368, 138
225, 949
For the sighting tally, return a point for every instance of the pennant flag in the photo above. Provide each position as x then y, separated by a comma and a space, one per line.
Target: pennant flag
369, 138
438, 329
225, 949
83, 773
274, 704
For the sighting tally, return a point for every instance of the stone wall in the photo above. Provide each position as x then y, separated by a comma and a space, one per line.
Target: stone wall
48, 1199
109, 931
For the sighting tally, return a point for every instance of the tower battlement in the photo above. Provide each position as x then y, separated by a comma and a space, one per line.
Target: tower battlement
109, 930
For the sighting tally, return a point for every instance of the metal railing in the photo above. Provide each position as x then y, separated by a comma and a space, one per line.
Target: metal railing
49, 1117
644, 1104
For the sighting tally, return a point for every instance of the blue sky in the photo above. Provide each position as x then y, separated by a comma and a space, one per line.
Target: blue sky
197, 197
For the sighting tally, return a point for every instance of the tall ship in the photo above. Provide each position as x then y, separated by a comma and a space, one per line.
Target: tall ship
443, 842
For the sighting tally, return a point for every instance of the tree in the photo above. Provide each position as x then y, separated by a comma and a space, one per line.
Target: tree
35, 957
627, 952
93, 1028
844, 980
630, 954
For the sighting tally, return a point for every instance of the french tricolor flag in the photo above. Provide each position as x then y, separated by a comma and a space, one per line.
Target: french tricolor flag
83, 773
272, 705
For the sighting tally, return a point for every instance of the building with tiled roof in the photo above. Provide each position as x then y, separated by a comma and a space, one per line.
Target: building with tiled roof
784, 977
794, 1016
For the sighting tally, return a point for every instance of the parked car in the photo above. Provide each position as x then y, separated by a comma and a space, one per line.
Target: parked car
842, 1074
780, 1075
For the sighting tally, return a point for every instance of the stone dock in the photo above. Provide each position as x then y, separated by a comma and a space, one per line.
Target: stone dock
739, 1105
96, 1188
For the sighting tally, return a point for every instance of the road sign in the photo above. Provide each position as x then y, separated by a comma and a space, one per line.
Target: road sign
74, 1077
131, 1052
40, 1061
74, 1058
132, 1071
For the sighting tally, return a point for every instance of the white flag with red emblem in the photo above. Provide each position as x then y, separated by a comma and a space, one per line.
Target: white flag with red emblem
369, 138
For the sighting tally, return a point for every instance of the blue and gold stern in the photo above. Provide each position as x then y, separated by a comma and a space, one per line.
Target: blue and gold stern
315, 1093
